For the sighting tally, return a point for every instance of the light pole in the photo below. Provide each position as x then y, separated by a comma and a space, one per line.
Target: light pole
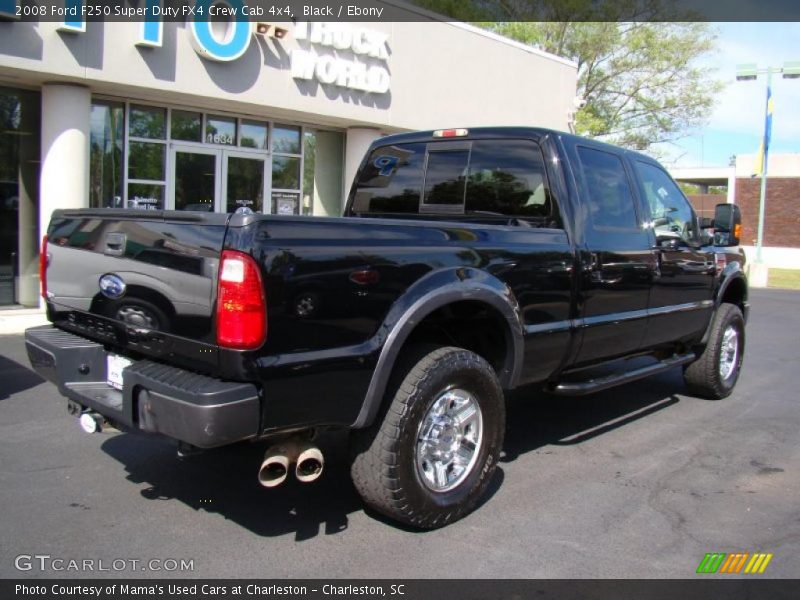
750, 72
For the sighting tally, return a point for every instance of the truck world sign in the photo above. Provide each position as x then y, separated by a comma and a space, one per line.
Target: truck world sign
334, 69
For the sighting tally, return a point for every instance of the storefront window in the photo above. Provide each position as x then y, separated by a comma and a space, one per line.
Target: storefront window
19, 196
186, 126
254, 135
232, 168
148, 122
105, 154
285, 172
146, 161
286, 139
145, 196
221, 130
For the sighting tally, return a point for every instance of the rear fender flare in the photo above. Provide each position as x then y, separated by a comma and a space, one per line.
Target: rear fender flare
434, 291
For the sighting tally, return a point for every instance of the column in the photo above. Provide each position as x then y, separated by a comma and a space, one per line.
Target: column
328, 166
358, 140
64, 179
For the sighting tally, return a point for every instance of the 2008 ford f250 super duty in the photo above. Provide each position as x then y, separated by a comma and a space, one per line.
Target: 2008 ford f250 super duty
467, 263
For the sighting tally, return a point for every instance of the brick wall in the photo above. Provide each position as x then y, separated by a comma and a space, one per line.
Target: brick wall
782, 221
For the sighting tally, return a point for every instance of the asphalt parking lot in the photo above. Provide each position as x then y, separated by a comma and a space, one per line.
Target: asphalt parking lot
640, 481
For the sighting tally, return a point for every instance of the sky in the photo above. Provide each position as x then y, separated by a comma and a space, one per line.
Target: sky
736, 125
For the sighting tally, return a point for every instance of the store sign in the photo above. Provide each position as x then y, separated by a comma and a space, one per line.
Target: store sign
365, 68
237, 39
335, 53
208, 43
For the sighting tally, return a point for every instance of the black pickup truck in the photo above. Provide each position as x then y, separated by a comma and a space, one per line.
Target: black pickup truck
467, 263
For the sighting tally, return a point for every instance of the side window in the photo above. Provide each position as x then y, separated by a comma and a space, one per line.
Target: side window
508, 177
391, 182
672, 214
611, 202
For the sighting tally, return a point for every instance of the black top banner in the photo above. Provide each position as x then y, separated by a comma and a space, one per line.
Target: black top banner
416, 589
284, 11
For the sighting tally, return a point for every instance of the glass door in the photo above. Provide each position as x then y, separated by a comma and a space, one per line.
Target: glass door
196, 178
245, 183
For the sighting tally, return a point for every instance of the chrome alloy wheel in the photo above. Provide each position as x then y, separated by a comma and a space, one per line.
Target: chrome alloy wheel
449, 440
729, 352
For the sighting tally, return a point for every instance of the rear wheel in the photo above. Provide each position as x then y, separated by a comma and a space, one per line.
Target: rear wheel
139, 313
715, 373
428, 459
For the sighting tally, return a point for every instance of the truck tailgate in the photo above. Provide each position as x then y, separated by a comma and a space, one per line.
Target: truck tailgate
140, 282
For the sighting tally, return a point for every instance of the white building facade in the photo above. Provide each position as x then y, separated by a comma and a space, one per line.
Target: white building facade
213, 116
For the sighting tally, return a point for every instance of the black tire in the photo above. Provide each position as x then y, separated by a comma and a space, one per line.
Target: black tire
385, 468
704, 377
139, 313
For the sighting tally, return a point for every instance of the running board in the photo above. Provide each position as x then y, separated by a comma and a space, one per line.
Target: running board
595, 385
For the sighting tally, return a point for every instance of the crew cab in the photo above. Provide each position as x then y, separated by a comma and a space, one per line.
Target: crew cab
467, 263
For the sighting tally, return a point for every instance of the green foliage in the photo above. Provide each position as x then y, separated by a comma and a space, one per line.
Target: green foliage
636, 60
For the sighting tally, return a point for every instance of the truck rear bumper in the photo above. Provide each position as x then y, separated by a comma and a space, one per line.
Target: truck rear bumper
157, 398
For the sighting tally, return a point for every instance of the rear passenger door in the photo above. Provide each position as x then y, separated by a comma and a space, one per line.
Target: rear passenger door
616, 278
680, 301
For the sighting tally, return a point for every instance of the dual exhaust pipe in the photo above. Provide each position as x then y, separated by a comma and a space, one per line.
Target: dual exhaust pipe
306, 458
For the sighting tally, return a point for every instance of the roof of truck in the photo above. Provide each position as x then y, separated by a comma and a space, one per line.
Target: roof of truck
477, 133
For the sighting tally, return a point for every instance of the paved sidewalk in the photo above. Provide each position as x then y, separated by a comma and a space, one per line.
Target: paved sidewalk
17, 320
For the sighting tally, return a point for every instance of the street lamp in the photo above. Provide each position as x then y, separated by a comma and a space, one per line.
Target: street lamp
750, 72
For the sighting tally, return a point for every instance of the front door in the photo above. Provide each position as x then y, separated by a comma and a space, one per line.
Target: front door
217, 180
196, 179
245, 182
680, 301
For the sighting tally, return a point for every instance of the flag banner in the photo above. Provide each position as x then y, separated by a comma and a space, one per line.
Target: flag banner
760, 167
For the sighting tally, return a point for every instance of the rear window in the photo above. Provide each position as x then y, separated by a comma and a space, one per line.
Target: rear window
483, 178
391, 181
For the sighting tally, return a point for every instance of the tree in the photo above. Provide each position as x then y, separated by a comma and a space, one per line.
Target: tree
637, 61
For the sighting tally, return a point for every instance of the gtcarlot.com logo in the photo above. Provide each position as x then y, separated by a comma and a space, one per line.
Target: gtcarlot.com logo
46, 562
736, 563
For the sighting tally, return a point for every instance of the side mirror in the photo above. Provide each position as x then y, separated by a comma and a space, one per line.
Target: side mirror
727, 225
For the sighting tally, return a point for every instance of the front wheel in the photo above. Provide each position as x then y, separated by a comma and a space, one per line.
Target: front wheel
428, 461
715, 373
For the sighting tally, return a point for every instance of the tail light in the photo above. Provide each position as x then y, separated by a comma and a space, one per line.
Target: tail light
241, 306
448, 133
44, 259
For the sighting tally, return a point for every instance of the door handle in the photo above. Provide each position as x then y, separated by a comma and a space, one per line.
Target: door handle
596, 272
115, 244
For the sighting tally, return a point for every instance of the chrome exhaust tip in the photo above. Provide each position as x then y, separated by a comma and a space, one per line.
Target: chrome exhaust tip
91, 422
273, 470
310, 464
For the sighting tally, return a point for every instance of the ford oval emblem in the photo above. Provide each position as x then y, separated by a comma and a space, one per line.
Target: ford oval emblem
112, 286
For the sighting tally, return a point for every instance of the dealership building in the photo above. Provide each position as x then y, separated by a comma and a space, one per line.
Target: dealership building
212, 116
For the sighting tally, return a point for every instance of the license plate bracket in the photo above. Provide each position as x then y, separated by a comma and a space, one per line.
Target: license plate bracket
115, 364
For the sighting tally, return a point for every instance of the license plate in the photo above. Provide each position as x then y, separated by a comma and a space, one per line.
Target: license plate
114, 366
